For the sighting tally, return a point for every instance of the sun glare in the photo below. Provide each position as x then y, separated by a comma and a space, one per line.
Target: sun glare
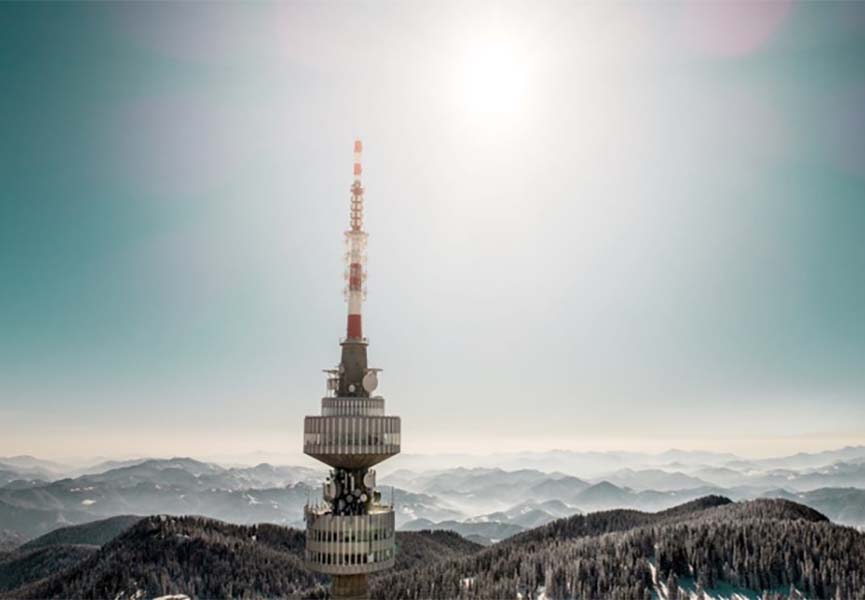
493, 78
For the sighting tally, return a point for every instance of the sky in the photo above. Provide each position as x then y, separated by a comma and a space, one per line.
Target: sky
592, 226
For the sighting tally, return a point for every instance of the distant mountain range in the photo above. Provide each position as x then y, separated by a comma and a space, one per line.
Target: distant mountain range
597, 465
842, 505
485, 504
179, 486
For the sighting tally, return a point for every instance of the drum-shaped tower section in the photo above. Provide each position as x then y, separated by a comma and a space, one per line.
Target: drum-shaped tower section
350, 534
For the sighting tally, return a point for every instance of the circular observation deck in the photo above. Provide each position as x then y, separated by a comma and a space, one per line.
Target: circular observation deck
351, 433
349, 545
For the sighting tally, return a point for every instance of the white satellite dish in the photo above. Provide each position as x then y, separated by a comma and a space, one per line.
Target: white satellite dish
369, 479
370, 381
330, 491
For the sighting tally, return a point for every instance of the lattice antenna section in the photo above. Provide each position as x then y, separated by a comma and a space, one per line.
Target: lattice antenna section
355, 254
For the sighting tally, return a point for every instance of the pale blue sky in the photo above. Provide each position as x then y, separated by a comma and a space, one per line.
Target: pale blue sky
633, 225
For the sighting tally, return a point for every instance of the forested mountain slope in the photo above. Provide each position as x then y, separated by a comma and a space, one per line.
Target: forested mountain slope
206, 558
58, 551
608, 521
9, 540
761, 545
23, 566
187, 555
94, 533
416, 548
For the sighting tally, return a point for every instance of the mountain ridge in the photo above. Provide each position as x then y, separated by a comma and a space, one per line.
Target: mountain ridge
620, 554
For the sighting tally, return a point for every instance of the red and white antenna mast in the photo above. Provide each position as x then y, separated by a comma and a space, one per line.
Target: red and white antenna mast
355, 256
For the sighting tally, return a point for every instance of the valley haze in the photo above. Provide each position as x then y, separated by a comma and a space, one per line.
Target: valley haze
485, 498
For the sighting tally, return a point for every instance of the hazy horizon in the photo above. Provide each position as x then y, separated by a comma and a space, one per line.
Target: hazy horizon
435, 460
592, 226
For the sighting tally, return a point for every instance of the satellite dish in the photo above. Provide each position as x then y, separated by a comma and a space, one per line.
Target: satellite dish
351, 387
370, 381
330, 491
369, 480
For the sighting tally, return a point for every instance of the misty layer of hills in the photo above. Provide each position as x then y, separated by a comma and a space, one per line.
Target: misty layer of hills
769, 548
483, 504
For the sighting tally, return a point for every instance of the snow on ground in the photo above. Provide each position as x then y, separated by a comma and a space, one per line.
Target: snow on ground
721, 591
140, 595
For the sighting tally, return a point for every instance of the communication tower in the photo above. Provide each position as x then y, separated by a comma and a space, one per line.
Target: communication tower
351, 533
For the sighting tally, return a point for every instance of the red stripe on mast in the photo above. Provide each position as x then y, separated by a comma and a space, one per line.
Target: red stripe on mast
355, 330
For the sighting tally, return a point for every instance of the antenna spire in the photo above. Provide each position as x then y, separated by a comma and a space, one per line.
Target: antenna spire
356, 220
355, 239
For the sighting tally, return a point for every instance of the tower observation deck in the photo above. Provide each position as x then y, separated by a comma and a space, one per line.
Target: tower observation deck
350, 533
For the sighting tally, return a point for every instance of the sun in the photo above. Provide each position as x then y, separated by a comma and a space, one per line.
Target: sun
493, 77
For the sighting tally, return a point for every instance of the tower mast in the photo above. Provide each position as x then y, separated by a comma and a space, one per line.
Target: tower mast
355, 256
352, 534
